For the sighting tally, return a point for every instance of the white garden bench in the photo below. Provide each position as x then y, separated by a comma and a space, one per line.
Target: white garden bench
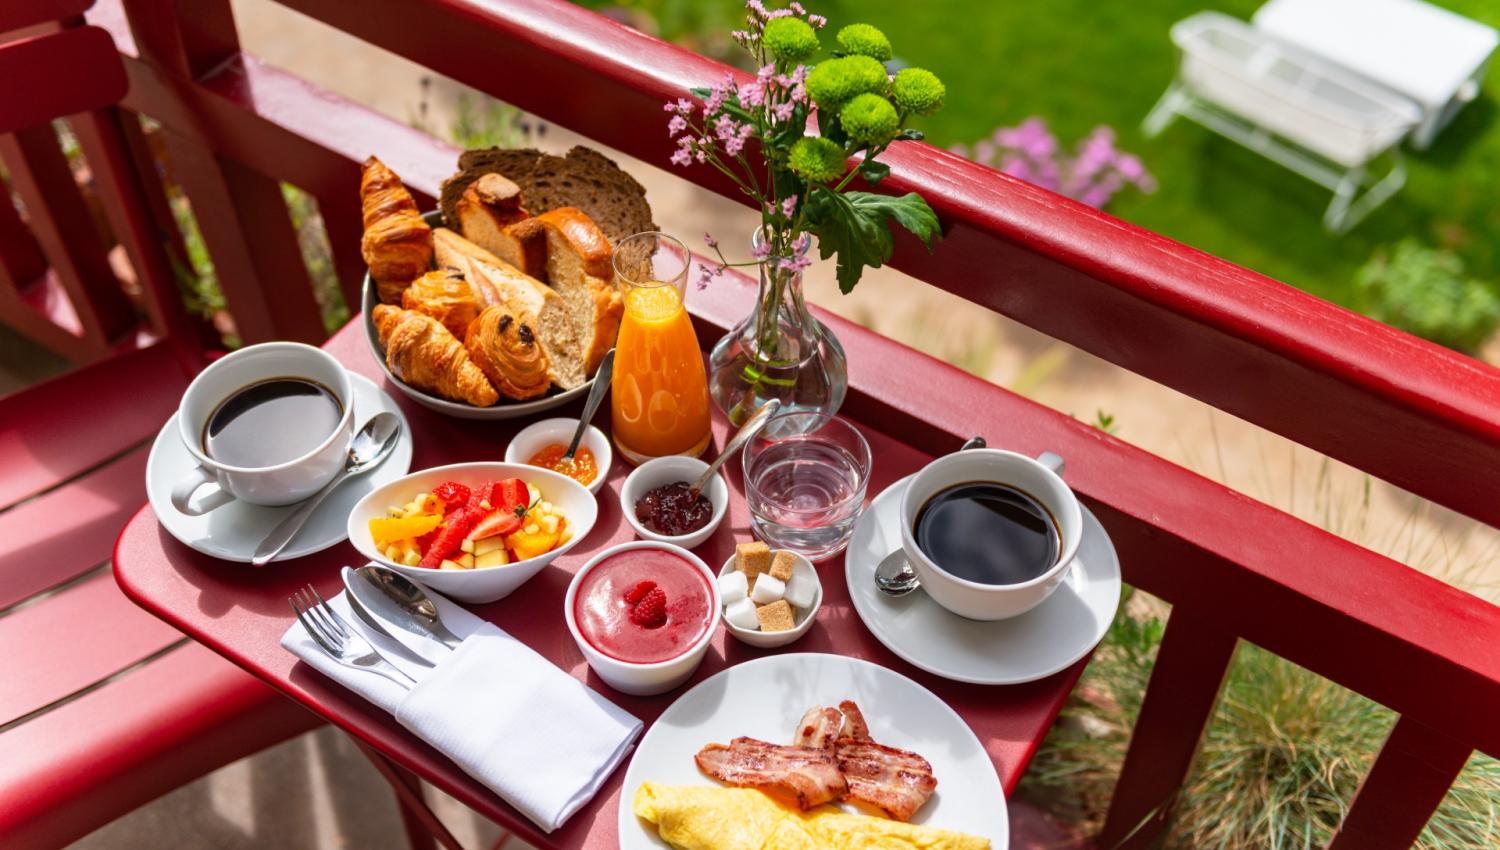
1308, 114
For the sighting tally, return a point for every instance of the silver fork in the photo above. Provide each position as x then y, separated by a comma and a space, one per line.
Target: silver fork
347, 646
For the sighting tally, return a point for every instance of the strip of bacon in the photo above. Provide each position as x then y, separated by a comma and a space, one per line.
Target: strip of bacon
895, 781
818, 727
807, 777
854, 722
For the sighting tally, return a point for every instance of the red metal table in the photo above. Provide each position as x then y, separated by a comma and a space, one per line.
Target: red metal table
242, 612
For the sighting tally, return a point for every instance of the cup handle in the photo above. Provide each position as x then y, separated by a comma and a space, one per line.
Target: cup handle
183, 490
1052, 461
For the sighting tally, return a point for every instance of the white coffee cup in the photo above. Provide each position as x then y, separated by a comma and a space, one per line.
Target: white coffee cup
284, 483
1038, 478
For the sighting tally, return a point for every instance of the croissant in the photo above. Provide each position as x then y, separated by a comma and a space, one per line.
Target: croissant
397, 243
421, 352
446, 296
507, 351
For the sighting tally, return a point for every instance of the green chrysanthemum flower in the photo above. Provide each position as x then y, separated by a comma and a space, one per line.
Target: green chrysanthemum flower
832, 82
790, 39
864, 40
870, 118
816, 159
918, 90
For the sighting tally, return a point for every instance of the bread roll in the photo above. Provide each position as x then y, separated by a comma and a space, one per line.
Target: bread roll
578, 268
446, 296
485, 214
507, 351
541, 308
397, 243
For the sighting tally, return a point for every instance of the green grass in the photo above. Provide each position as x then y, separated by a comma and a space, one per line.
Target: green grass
1081, 63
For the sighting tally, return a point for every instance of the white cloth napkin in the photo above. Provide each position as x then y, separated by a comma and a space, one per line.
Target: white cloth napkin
528, 731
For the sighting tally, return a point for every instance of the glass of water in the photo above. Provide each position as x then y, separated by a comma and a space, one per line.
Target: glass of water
805, 480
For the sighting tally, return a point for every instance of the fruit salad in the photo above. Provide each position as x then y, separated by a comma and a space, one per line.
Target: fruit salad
456, 527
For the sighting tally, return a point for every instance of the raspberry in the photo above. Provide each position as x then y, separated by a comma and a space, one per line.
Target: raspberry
451, 493
651, 610
634, 594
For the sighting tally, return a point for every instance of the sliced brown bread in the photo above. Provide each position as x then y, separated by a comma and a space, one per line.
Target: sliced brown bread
585, 179
543, 309
486, 211
578, 268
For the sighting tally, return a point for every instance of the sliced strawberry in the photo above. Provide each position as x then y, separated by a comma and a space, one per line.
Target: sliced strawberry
449, 537
498, 521
511, 494
480, 494
452, 494
635, 594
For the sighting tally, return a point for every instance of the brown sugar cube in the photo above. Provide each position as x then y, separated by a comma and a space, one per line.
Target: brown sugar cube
776, 617
781, 565
752, 559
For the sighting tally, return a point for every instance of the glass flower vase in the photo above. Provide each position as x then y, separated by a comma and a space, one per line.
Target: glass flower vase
779, 350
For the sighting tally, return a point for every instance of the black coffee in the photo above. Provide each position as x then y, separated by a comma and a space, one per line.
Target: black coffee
987, 533
271, 422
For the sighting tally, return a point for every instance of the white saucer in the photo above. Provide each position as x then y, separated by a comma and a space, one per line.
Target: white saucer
1044, 640
233, 531
765, 697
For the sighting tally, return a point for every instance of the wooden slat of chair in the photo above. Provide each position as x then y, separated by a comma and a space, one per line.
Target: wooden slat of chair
21, 259
15, 15
70, 71
155, 728
69, 531
65, 229
57, 430
248, 232
69, 640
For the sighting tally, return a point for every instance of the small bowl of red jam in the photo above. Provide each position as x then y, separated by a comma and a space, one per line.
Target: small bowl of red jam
658, 505
542, 444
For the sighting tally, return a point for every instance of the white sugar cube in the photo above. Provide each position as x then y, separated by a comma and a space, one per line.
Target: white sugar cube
768, 589
741, 615
733, 586
801, 590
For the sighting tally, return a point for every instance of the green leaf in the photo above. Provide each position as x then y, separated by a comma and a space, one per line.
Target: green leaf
873, 171
855, 226
701, 92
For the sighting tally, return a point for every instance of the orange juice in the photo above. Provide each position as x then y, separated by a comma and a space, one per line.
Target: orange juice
659, 393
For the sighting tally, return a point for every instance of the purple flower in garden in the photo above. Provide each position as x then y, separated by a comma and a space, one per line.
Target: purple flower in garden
1093, 174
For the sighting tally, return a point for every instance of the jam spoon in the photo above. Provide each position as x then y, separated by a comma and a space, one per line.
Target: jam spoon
751, 427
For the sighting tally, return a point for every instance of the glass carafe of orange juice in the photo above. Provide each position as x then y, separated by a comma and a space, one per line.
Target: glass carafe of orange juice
659, 392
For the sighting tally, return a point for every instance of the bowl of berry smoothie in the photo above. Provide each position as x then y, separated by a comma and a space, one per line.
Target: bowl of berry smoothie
642, 614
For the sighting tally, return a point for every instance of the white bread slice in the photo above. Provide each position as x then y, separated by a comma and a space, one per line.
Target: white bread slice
578, 268
536, 304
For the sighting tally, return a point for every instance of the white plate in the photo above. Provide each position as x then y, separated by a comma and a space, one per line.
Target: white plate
765, 698
233, 531
1044, 640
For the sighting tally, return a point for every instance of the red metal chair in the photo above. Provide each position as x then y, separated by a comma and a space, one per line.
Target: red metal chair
103, 707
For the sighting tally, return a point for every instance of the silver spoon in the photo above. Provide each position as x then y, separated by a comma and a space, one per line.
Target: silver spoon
602, 378
368, 448
404, 611
895, 575
751, 427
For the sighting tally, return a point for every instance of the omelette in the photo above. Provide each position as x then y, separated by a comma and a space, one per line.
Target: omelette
691, 817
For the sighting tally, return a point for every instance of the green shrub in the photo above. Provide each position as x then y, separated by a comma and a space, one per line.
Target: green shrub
1425, 291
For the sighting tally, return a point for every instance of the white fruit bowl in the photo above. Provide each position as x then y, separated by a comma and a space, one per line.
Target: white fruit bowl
481, 584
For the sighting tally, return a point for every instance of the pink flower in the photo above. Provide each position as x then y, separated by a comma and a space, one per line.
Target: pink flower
797, 8
706, 274
710, 241
788, 206
760, 250
683, 157
817, 21
753, 94
757, 8
783, 111
676, 125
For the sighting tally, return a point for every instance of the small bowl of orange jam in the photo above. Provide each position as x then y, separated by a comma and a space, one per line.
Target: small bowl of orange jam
543, 443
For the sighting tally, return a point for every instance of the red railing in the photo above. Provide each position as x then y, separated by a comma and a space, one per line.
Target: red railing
1412, 413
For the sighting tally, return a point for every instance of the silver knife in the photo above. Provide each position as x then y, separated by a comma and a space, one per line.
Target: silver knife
386, 615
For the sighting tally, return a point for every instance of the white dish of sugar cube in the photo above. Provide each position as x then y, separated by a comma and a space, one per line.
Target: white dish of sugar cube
804, 592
